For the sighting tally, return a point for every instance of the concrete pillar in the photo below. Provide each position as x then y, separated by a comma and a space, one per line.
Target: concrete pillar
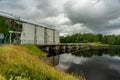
62, 48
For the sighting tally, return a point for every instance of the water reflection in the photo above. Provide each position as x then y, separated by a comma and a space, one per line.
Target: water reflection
94, 64
99, 51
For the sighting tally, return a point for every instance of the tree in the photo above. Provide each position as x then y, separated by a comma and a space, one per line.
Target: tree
6, 25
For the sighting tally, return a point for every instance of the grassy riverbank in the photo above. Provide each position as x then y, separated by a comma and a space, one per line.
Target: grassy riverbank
98, 44
21, 62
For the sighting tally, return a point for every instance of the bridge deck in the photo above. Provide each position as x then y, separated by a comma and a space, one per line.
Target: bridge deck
64, 47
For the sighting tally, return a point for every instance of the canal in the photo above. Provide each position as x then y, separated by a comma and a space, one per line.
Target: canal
96, 63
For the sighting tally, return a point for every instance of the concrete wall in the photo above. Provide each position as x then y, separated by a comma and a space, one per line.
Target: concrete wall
34, 34
57, 38
28, 34
40, 35
49, 36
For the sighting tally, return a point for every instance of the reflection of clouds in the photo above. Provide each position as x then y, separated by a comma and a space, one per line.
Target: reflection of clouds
116, 57
115, 63
63, 66
96, 68
67, 59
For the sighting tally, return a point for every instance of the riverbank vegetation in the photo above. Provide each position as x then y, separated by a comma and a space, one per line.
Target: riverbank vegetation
98, 44
91, 38
21, 62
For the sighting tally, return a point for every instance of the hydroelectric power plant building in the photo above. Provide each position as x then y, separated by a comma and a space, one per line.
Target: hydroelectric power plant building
31, 32
36, 34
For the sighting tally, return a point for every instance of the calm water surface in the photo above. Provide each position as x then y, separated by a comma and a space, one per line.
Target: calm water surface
95, 63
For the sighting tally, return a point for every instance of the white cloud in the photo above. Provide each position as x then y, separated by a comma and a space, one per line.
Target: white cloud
56, 20
114, 21
76, 28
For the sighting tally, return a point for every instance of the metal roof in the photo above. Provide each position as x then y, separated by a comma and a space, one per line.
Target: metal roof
11, 16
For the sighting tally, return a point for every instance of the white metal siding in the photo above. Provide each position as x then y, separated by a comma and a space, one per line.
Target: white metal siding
40, 35
57, 40
33, 34
49, 36
28, 34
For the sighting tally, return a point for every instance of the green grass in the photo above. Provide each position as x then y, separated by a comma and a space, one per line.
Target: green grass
33, 50
1, 77
21, 62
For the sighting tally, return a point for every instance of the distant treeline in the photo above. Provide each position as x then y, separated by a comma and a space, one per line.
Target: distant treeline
90, 38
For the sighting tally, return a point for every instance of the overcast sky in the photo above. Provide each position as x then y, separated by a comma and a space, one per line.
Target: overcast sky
69, 16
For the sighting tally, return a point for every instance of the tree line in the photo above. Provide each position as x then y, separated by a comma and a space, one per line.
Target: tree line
91, 38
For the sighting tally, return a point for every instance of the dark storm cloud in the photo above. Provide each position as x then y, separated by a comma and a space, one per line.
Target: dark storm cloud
89, 12
47, 7
95, 14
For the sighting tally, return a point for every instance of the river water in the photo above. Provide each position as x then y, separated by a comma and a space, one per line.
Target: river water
101, 63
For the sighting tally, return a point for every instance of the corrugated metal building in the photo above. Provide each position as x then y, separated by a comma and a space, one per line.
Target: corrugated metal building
34, 33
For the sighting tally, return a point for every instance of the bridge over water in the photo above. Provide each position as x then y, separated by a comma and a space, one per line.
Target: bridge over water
63, 47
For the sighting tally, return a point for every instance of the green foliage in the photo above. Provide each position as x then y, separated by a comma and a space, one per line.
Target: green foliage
91, 38
6, 25
4, 28
2, 78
